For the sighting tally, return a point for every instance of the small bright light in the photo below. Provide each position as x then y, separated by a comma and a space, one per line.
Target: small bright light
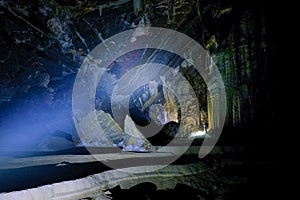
198, 134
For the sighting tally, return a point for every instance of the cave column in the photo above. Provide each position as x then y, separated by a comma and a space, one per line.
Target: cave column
213, 108
137, 6
210, 112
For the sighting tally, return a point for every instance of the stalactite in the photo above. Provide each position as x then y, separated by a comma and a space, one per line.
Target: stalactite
170, 105
210, 113
243, 68
137, 6
236, 111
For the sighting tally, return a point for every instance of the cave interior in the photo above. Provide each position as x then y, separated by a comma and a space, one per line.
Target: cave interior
45, 43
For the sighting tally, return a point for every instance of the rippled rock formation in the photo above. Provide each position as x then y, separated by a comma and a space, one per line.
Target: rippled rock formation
206, 178
105, 132
135, 140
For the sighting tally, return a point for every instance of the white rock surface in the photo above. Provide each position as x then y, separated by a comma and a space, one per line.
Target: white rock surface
93, 186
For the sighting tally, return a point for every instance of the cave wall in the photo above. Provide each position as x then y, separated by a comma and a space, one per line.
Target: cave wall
242, 60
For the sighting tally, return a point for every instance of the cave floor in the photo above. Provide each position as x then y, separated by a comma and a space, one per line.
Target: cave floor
230, 171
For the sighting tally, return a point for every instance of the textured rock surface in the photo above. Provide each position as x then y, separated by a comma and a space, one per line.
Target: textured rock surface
107, 133
196, 175
110, 128
135, 140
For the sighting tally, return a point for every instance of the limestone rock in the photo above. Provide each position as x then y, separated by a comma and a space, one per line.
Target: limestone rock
106, 132
134, 139
109, 127
95, 134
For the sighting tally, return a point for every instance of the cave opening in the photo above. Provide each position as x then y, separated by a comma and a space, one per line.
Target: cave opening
154, 101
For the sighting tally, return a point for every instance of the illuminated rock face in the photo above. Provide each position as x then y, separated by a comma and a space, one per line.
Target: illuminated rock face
93, 186
110, 128
134, 139
107, 133
209, 176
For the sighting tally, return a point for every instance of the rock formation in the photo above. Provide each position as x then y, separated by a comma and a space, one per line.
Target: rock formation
134, 139
107, 133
